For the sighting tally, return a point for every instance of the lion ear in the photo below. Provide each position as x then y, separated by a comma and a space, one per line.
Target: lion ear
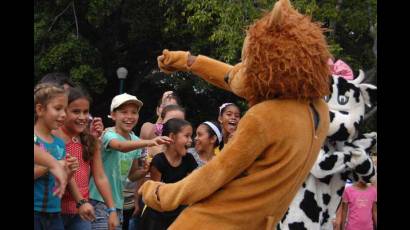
276, 18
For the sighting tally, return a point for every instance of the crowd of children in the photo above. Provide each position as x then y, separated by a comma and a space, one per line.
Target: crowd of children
87, 175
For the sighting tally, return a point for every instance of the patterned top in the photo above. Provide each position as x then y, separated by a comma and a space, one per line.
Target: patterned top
81, 177
44, 200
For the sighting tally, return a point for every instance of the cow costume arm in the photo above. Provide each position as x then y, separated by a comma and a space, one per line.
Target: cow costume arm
353, 157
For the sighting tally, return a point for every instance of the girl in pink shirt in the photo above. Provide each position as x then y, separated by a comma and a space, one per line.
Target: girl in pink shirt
359, 205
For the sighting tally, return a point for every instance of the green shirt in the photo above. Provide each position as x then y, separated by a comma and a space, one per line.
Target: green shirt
116, 166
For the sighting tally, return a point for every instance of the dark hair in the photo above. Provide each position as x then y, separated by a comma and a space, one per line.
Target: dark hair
170, 108
57, 78
170, 96
212, 133
88, 141
174, 126
224, 108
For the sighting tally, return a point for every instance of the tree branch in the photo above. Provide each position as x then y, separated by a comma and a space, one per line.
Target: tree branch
55, 19
332, 24
75, 17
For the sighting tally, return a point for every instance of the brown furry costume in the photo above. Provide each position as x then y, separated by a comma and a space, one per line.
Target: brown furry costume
251, 183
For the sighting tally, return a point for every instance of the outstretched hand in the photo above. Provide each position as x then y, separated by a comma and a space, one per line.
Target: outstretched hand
160, 141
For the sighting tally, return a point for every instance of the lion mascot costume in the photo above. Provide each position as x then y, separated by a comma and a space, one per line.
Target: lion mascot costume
344, 155
284, 76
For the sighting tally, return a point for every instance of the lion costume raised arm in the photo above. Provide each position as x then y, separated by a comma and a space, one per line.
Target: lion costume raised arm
283, 76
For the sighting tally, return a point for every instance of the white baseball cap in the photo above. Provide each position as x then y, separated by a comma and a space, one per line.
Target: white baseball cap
118, 100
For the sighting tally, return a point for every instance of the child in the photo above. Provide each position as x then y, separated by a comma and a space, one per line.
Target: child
208, 137
120, 151
229, 116
150, 130
49, 113
359, 205
168, 112
170, 166
76, 211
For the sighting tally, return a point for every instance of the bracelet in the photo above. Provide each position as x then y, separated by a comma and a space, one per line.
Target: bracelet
156, 193
81, 202
110, 210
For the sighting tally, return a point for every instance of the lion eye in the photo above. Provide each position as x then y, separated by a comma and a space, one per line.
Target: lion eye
326, 98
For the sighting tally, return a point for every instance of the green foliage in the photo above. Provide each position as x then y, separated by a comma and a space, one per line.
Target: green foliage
90, 78
100, 10
129, 33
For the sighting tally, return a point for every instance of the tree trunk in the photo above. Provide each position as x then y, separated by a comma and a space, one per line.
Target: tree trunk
332, 23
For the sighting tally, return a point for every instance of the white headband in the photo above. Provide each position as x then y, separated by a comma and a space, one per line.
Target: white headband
223, 106
215, 129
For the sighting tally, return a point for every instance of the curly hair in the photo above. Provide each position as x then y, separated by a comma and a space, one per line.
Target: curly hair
285, 56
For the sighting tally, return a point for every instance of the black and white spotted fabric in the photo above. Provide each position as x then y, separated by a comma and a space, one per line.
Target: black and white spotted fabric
344, 155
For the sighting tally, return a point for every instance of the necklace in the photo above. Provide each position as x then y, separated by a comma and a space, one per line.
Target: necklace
74, 139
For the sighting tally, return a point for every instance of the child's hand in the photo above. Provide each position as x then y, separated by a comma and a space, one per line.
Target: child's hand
97, 127
60, 176
160, 141
86, 212
72, 165
113, 221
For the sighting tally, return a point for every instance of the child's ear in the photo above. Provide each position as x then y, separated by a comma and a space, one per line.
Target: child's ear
213, 139
173, 136
112, 114
220, 119
39, 108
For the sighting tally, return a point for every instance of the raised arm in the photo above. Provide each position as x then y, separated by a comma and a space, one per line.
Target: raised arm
207, 68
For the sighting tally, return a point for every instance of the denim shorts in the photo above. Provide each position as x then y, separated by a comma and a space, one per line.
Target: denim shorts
101, 216
74, 222
48, 221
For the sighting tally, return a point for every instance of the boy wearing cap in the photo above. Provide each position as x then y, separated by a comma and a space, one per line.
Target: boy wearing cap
120, 150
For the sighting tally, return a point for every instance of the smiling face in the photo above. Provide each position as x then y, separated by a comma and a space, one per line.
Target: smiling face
182, 140
229, 119
203, 140
53, 113
125, 117
77, 115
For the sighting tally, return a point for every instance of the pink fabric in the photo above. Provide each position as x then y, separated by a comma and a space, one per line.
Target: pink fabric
341, 69
360, 203
158, 129
81, 177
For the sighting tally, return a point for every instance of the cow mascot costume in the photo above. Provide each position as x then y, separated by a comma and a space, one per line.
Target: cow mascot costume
284, 77
344, 155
